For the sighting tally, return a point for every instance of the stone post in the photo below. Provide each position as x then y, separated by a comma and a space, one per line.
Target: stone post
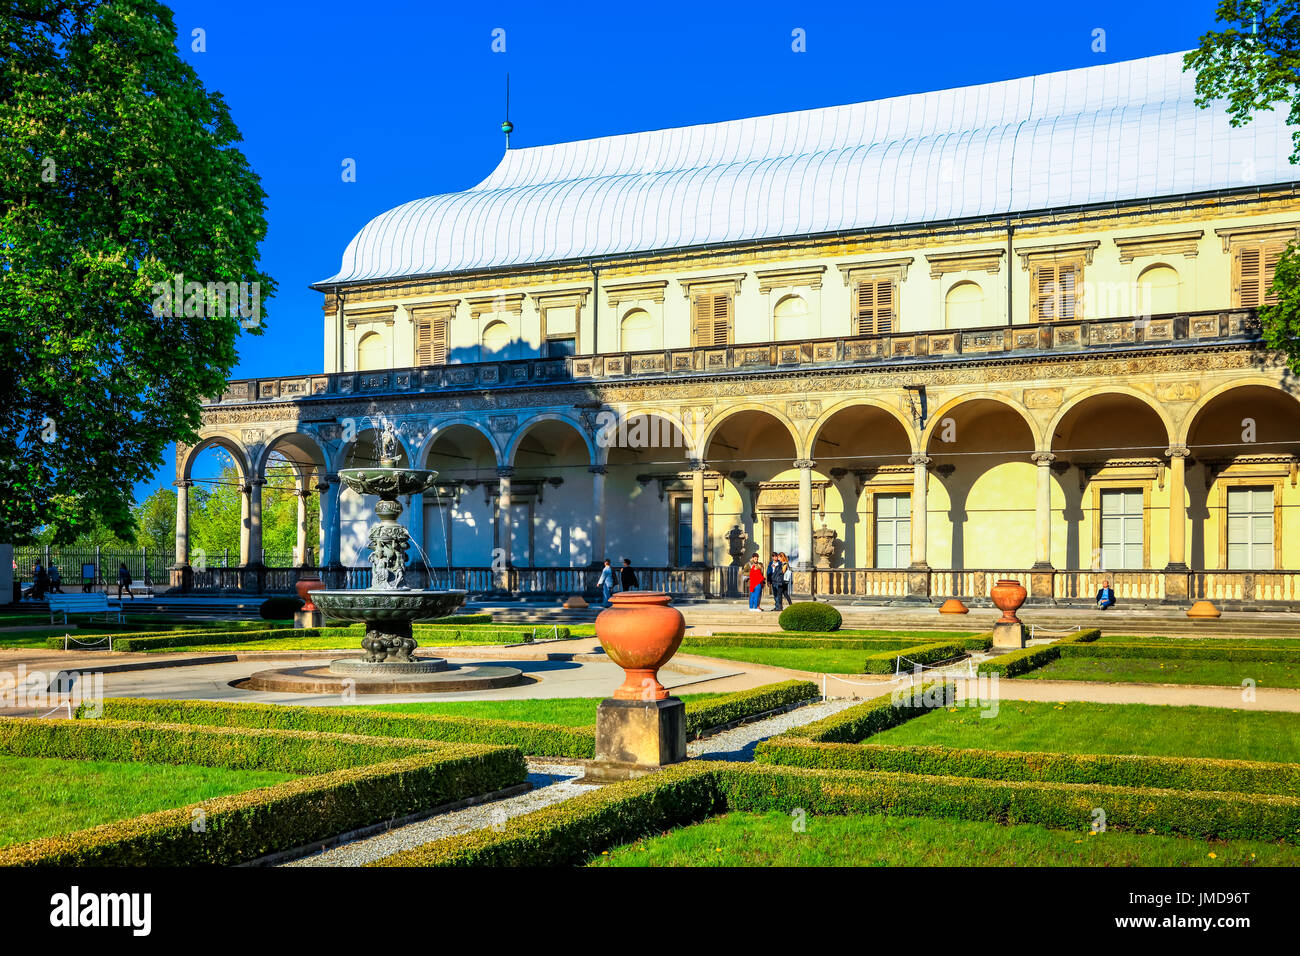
1041, 578
805, 560
1176, 571
502, 565
918, 577
331, 523
182, 575
597, 514
698, 557
304, 525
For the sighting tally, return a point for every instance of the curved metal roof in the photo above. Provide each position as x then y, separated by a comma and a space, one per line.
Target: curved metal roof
1120, 131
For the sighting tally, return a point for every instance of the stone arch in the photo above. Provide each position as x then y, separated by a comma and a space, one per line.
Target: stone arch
228, 443
1093, 393
672, 418
711, 429
512, 450
307, 449
422, 454
806, 450
1255, 381
953, 403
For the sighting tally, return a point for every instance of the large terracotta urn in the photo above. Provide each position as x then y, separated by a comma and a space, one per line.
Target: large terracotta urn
1007, 597
307, 582
640, 632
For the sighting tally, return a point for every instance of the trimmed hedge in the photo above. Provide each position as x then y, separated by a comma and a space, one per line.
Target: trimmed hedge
810, 616
981, 642
877, 714
570, 832
244, 826
532, 738
886, 661
1026, 659
426, 635
1119, 770
462, 619
1069, 806
705, 715
1192, 653
236, 748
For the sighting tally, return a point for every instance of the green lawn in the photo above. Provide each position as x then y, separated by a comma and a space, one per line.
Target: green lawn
818, 659
1109, 729
42, 796
1271, 643
769, 839
1146, 670
567, 711
913, 637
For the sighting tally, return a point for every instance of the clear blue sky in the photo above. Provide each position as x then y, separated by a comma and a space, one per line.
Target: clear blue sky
414, 93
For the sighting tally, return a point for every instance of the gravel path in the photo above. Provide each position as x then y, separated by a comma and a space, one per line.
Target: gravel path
738, 743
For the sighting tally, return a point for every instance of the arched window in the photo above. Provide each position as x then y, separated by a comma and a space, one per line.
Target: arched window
636, 333
790, 319
1157, 290
963, 306
371, 352
496, 340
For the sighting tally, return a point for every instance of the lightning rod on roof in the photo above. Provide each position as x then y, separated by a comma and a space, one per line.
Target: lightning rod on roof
507, 126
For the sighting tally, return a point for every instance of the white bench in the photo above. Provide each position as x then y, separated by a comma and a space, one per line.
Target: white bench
92, 604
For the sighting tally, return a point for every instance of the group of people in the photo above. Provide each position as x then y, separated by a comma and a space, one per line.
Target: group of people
777, 575
51, 582
626, 579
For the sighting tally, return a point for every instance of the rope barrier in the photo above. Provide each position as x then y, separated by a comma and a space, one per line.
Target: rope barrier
66, 703
68, 637
1034, 629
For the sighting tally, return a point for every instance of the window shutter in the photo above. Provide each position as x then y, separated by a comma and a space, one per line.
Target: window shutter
711, 319
1272, 254
1250, 261
1056, 292
431, 340
875, 308
1068, 294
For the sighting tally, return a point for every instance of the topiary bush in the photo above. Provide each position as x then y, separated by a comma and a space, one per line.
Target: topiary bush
810, 616
280, 608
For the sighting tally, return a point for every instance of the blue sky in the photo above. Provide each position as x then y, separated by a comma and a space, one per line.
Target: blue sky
414, 93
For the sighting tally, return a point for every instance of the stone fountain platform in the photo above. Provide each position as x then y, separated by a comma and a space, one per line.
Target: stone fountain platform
323, 678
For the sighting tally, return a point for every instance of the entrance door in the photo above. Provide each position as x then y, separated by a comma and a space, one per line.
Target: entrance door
1121, 529
684, 532
1250, 529
893, 531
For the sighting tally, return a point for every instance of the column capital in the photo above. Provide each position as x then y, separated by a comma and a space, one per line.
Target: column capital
255, 482
1178, 451
183, 483
1042, 458
697, 464
804, 463
505, 471
919, 460
598, 469
303, 492
322, 487
331, 479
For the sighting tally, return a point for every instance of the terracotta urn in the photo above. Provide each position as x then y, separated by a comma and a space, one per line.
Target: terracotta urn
640, 631
308, 582
1007, 597
1203, 610
953, 606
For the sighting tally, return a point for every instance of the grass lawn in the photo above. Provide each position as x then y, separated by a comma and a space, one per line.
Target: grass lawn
912, 637
818, 659
1146, 670
769, 839
42, 796
1271, 643
1109, 729
345, 642
567, 711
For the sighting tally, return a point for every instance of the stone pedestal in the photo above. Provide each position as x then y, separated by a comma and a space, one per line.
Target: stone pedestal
636, 737
312, 618
1008, 635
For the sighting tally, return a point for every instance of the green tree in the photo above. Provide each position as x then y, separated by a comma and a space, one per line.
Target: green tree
119, 177
1253, 64
155, 520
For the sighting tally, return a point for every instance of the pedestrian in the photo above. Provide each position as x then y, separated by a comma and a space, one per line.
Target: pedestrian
1106, 596
40, 581
629, 576
787, 577
606, 582
774, 579
56, 580
124, 581
755, 584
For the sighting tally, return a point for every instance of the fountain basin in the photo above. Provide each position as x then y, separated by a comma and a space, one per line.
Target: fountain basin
397, 606
387, 482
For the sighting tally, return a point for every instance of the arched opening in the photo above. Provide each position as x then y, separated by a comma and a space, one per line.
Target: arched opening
497, 341
637, 332
647, 459
356, 511
372, 352
217, 507
1158, 290
459, 516
291, 527
550, 511
750, 484
790, 319
963, 306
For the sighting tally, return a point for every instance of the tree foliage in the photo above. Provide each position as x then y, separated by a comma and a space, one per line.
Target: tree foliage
119, 173
1253, 64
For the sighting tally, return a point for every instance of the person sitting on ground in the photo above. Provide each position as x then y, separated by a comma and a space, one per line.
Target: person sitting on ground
628, 582
124, 581
755, 584
1106, 596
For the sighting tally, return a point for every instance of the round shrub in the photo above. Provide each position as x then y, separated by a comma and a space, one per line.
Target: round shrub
810, 616
280, 608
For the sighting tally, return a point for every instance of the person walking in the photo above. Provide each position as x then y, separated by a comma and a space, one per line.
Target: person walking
629, 582
56, 580
774, 579
124, 581
755, 584
606, 582
40, 582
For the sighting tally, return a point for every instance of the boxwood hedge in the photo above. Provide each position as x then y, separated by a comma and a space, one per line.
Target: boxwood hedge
705, 715
427, 635
879, 713
979, 642
1189, 653
886, 662
810, 616
1026, 659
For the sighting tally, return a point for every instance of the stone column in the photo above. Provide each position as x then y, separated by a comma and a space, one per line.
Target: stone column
504, 530
805, 467
597, 514
245, 525
1176, 571
253, 508
698, 527
918, 578
415, 527
1041, 578
304, 525
183, 522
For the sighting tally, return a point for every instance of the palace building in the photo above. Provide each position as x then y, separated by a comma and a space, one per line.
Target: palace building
918, 343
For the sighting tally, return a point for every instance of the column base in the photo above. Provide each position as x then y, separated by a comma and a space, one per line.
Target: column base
1008, 635
1177, 582
1041, 585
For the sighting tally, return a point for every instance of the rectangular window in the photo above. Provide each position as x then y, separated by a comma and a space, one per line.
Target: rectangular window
684, 532
711, 319
876, 312
1254, 267
430, 338
785, 535
893, 531
1054, 291
561, 347
1121, 529
1250, 529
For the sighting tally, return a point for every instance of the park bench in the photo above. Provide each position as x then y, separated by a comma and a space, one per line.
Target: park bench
91, 604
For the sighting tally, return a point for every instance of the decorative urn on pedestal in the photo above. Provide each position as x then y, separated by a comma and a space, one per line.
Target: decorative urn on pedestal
641, 728
309, 615
1007, 596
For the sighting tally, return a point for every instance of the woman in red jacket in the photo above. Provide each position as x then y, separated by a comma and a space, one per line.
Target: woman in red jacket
755, 583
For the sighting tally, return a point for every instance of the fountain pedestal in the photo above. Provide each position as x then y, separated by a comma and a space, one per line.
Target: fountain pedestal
637, 737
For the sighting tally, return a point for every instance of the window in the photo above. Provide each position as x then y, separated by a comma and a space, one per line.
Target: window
636, 333
1250, 529
963, 306
893, 531
561, 346
790, 319
1157, 290
1055, 291
1121, 529
1253, 269
785, 536
684, 532
559, 327
875, 311
371, 352
430, 338
496, 340
711, 318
